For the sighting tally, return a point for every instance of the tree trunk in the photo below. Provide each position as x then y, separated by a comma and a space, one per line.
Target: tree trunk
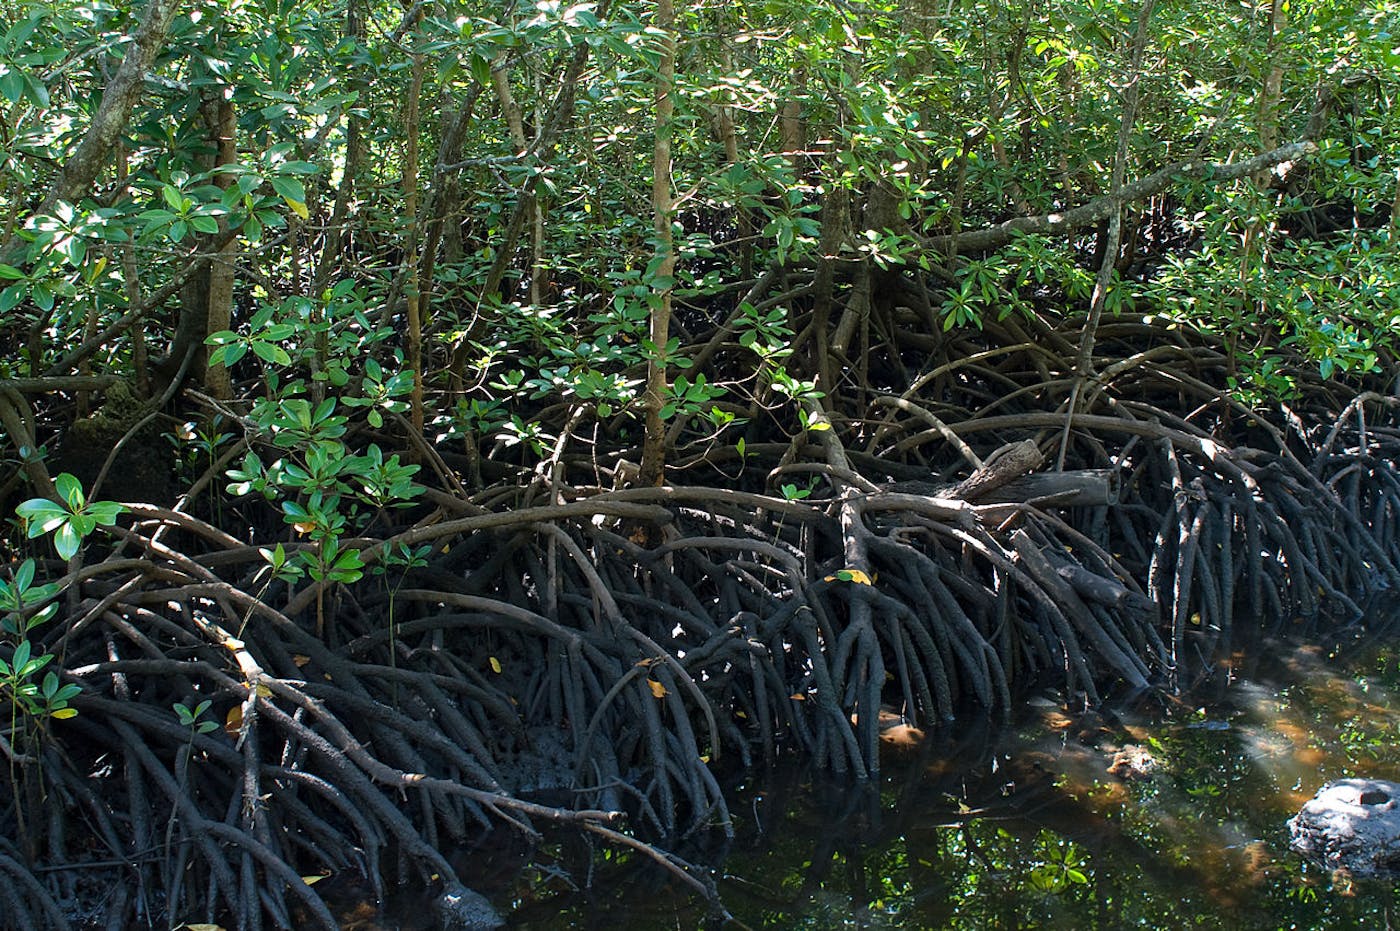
410, 201
663, 207
221, 272
80, 171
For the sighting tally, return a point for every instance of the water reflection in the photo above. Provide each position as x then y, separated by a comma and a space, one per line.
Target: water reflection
1154, 814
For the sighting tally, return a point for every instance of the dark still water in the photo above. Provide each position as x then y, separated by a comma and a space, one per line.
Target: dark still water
1162, 814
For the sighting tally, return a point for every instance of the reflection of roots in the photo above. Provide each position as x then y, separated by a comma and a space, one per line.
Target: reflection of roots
747, 624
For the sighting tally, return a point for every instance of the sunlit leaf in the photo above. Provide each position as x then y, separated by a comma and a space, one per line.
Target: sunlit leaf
849, 575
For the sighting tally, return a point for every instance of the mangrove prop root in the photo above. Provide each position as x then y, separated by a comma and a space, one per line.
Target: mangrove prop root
558, 647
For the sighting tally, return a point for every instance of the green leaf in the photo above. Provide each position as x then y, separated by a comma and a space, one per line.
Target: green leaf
293, 192
66, 541
43, 296
105, 512
481, 70
24, 575
12, 86
270, 352
70, 490
10, 273
43, 515
10, 297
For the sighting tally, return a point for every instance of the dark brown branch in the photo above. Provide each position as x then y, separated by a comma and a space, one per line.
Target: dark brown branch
1101, 207
80, 171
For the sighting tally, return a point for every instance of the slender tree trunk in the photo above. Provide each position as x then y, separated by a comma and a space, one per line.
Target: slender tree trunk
354, 158
663, 207
1084, 366
221, 272
729, 138
500, 80
1267, 122
410, 199
131, 283
1115, 219
791, 125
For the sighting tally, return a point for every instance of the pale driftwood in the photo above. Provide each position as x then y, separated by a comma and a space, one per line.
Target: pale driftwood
1001, 468
1081, 488
1104, 591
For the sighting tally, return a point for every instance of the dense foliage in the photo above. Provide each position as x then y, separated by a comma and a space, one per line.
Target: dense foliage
359, 355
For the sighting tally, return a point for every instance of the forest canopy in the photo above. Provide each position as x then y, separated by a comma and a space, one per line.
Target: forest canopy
405, 408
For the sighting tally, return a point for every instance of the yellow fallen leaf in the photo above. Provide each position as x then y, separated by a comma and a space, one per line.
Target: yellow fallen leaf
313, 880
304, 527
849, 575
263, 691
495, 665
657, 688
233, 721
300, 659
798, 697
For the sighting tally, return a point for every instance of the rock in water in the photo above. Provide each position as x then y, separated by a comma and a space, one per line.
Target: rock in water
1351, 824
461, 909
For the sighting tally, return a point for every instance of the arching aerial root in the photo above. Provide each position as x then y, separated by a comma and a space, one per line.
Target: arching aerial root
544, 648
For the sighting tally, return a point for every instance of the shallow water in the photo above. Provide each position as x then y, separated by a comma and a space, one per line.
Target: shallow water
1158, 814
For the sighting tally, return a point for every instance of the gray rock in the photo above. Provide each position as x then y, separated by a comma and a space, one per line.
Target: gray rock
1353, 825
461, 909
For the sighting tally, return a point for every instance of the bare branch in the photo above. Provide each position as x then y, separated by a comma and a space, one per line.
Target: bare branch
1100, 207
